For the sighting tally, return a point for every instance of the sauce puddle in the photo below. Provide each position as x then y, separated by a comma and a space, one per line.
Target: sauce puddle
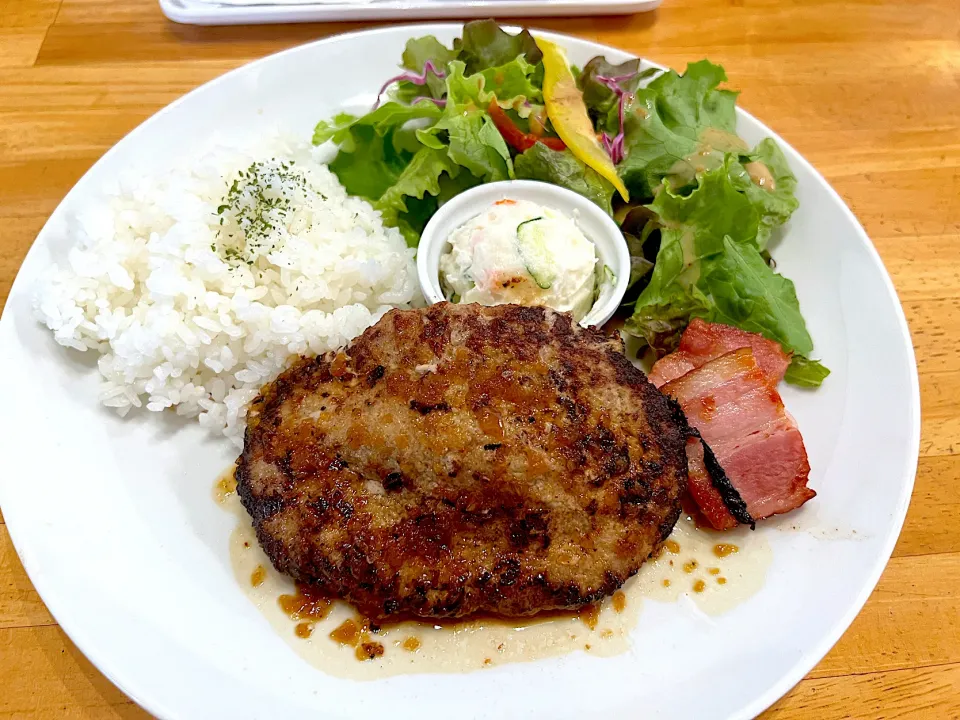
716, 571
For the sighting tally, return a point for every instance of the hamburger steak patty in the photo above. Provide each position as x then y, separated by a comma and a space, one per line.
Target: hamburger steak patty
463, 458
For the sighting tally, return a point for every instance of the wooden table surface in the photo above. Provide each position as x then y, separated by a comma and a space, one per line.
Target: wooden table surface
869, 91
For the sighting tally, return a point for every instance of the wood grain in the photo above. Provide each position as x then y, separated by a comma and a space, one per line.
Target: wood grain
23, 27
867, 90
930, 526
20, 606
895, 629
47, 677
929, 692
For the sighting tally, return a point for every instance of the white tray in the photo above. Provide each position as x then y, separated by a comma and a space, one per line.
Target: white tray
195, 12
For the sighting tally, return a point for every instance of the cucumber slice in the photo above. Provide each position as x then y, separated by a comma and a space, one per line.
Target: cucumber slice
536, 258
602, 277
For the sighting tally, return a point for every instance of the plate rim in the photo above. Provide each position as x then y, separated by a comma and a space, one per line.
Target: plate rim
808, 658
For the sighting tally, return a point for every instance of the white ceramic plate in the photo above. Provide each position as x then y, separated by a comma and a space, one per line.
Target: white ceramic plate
116, 526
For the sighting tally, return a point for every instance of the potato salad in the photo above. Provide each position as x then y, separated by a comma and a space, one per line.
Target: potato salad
521, 252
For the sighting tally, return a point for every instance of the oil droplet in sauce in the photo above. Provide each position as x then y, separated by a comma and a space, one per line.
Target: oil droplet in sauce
690, 566
346, 633
722, 550
721, 581
258, 575
329, 634
305, 604
369, 651
713, 571
226, 487
303, 630
699, 586
590, 615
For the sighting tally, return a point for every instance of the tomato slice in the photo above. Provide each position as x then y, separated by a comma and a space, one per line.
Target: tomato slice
514, 136
568, 113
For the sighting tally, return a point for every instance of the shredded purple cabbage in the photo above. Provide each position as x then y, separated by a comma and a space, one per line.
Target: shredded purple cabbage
613, 81
438, 102
615, 146
428, 67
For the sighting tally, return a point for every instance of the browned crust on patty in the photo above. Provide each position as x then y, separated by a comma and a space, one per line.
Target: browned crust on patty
461, 458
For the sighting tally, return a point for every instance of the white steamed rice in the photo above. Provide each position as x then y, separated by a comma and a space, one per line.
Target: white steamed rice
179, 325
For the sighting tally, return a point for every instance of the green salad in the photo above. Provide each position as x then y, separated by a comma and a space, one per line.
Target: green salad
702, 206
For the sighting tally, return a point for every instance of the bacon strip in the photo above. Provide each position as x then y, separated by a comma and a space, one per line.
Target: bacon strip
733, 403
708, 497
703, 342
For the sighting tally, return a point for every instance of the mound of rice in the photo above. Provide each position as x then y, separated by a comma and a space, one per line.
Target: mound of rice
198, 286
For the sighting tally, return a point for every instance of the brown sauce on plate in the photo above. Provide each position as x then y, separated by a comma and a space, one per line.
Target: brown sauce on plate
722, 550
258, 575
305, 604
333, 637
226, 487
346, 633
303, 630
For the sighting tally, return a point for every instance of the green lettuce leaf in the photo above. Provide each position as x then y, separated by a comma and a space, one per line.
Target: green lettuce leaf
640, 267
430, 179
805, 372
465, 128
473, 141
693, 228
430, 137
409, 158
415, 57
563, 168
421, 176
407, 167
508, 76
450, 187
691, 102
600, 100
775, 200
747, 294
338, 126
511, 83
677, 126
419, 210
709, 265
711, 211
369, 163
412, 222
386, 117
485, 45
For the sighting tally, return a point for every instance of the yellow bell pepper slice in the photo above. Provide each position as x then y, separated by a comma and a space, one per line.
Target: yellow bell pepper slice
568, 113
